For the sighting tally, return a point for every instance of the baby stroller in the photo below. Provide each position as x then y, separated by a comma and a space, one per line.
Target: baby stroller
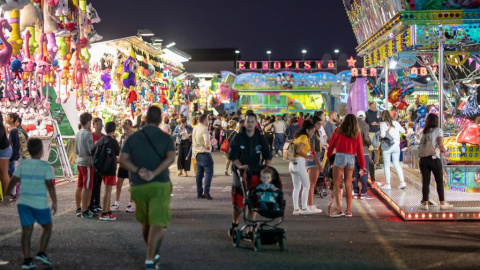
261, 230
322, 186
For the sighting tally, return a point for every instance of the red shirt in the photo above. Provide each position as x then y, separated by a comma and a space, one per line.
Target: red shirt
346, 145
300, 121
96, 138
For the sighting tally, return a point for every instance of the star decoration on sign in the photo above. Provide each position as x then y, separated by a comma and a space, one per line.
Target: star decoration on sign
351, 62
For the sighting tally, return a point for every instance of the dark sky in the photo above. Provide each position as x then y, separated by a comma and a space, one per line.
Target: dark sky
253, 26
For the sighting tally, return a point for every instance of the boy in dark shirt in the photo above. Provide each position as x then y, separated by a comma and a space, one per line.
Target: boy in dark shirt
14, 141
109, 178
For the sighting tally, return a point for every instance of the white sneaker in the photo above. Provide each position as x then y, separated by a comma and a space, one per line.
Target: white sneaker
402, 185
307, 212
424, 206
130, 208
386, 187
315, 209
446, 206
297, 212
115, 207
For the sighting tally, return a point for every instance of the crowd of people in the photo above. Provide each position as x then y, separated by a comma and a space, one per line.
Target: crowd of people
342, 150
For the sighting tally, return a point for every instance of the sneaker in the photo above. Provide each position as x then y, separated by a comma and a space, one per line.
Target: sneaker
276, 155
337, 214
207, 196
79, 212
103, 216
98, 208
157, 260
446, 206
424, 207
42, 257
28, 264
111, 216
115, 207
386, 187
297, 212
315, 209
87, 214
367, 196
348, 214
150, 265
200, 196
306, 211
13, 198
226, 172
355, 195
231, 231
130, 208
402, 185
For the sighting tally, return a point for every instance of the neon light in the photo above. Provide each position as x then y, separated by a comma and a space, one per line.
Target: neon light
319, 64
265, 65
423, 71
277, 65
288, 64
331, 65
307, 65
297, 64
241, 65
373, 72
414, 70
364, 72
253, 65
354, 72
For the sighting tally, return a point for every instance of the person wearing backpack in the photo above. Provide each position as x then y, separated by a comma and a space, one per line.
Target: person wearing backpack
298, 169
429, 150
105, 161
394, 129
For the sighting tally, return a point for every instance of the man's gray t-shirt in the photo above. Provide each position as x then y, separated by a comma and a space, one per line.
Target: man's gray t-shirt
142, 154
83, 147
329, 129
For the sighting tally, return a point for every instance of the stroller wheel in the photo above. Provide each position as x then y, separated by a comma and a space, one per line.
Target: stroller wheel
237, 237
324, 193
257, 244
282, 243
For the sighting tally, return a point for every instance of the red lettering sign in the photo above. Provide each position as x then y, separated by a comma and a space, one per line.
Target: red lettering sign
288, 64
241, 65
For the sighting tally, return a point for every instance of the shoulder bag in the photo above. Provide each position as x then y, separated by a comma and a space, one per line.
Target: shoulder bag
225, 147
387, 141
151, 144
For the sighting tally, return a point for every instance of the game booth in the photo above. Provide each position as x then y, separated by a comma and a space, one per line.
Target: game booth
427, 48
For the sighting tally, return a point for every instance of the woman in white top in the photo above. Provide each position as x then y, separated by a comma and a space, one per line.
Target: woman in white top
394, 128
430, 160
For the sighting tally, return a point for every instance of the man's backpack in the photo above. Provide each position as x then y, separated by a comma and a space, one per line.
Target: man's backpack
289, 150
104, 157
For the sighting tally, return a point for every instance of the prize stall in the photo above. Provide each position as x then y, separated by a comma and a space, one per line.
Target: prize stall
428, 48
45, 55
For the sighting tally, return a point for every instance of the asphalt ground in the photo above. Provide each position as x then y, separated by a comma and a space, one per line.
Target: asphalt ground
374, 238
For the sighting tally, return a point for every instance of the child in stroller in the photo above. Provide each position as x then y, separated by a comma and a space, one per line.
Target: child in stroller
266, 200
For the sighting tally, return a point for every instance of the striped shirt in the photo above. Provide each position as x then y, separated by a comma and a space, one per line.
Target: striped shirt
32, 174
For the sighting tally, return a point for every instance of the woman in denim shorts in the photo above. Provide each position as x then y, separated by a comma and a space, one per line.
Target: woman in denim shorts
5, 155
346, 141
313, 166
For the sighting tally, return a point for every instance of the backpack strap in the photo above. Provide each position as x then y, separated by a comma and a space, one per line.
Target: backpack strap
150, 142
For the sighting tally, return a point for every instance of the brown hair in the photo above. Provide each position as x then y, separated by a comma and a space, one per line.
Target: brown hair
349, 127
97, 119
202, 118
386, 117
267, 170
232, 124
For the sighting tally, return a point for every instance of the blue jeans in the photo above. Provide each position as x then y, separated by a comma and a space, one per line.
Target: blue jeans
279, 142
204, 165
363, 179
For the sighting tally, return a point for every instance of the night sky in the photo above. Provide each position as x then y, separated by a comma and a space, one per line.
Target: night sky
253, 26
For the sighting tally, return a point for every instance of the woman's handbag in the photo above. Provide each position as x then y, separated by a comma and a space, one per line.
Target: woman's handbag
225, 147
387, 141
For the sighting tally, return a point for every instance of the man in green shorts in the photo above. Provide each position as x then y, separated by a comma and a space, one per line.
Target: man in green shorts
147, 154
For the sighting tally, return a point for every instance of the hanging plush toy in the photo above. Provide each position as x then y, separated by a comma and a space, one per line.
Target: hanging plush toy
15, 38
5, 55
29, 16
28, 65
130, 66
106, 81
16, 68
9, 5
42, 69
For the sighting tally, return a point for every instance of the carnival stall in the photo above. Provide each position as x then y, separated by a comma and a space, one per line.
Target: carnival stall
129, 74
438, 39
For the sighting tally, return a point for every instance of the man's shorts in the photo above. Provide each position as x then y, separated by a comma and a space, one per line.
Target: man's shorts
85, 177
152, 203
237, 193
343, 160
122, 173
28, 215
110, 180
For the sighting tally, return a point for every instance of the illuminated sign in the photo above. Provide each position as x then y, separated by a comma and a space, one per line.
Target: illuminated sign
295, 65
372, 72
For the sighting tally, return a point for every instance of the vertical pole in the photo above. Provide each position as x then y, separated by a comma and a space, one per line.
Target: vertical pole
385, 100
440, 82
